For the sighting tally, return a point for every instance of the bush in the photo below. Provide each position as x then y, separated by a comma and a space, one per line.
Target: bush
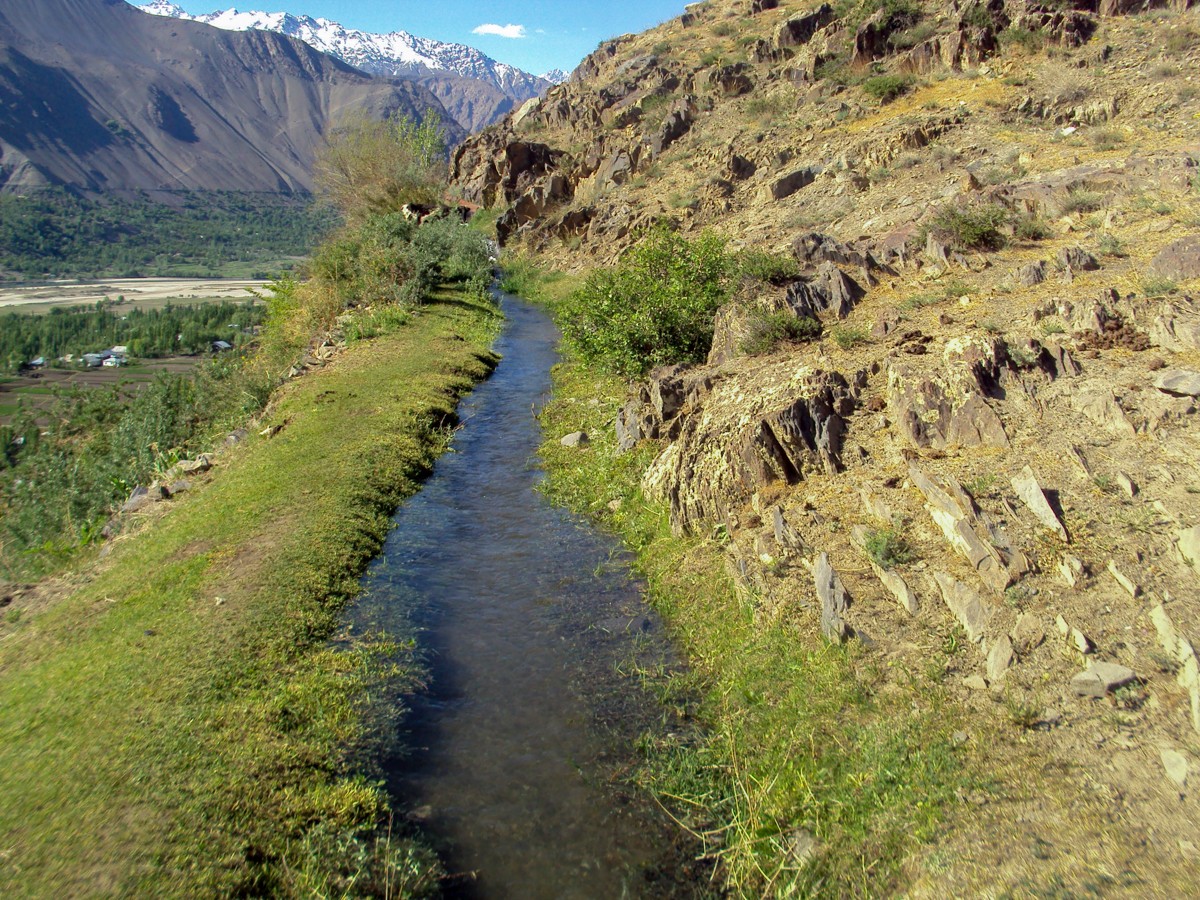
888, 548
771, 268
1081, 200
886, 88
1031, 228
368, 167
971, 227
766, 330
654, 307
1025, 39
848, 336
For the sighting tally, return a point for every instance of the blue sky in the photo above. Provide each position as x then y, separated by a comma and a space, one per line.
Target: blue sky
553, 33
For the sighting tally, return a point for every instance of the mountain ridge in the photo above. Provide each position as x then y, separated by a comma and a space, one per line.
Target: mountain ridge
439, 65
113, 99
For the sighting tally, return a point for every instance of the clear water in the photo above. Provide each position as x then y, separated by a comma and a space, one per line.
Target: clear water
527, 615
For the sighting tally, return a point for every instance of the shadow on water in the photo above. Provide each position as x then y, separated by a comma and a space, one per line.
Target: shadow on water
512, 756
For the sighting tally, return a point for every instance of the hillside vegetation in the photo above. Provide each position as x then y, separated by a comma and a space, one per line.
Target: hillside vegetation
920, 501
54, 233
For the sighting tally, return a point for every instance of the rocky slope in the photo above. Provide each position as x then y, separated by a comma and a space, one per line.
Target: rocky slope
104, 98
993, 211
475, 89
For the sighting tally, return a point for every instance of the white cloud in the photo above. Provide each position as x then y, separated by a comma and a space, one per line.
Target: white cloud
504, 31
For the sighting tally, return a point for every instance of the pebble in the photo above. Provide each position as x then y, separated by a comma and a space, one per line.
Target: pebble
1176, 765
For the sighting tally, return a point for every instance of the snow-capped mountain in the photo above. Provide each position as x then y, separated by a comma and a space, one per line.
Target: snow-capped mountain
396, 54
556, 76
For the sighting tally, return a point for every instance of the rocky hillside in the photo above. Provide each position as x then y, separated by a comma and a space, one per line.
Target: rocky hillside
475, 89
105, 98
988, 459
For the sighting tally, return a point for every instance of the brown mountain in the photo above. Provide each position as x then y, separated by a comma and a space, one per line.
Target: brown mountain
97, 95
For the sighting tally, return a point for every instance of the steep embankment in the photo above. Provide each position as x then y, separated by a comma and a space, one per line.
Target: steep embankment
980, 475
113, 99
175, 722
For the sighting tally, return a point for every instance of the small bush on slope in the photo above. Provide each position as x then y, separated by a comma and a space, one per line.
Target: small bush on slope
654, 307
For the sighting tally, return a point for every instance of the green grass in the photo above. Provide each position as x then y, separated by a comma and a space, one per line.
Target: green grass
180, 725
794, 738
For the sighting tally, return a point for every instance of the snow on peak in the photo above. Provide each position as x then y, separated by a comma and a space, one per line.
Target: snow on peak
397, 53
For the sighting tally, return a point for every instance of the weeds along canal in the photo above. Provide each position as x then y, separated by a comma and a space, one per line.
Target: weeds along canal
512, 757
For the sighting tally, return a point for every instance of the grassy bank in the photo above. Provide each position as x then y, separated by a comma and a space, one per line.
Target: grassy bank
177, 724
812, 778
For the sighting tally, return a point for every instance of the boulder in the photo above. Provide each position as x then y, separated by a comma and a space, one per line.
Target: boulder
788, 184
830, 293
739, 440
1031, 494
576, 439
834, 600
1178, 382
1176, 766
999, 658
965, 604
732, 80
1076, 259
969, 530
1179, 650
1032, 274
142, 497
1101, 678
1179, 260
898, 588
677, 123
800, 30
1100, 406
1188, 542
948, 409
1028, 634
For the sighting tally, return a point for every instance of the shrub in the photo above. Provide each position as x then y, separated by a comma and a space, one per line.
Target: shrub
654, 307
772, 268
767, 330
1158, 287
1031, 228
1081, 200
971, 227
847, 336
368, 167
1031, 41
886, 88
1110, 245
888, 548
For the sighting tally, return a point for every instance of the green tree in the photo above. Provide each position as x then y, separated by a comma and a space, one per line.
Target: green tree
369, 167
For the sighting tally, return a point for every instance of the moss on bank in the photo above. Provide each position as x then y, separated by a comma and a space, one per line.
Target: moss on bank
815, 775
179, 725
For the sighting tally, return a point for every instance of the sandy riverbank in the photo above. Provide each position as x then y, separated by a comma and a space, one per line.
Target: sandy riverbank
138, 292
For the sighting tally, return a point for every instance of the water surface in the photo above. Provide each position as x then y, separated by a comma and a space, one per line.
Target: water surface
528, 617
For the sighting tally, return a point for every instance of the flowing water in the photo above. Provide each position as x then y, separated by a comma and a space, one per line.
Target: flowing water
528, 617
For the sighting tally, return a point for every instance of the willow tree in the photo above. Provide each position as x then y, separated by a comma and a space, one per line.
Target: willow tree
368, 167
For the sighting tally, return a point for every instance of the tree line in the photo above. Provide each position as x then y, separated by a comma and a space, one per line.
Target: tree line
168, 331
59, 234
